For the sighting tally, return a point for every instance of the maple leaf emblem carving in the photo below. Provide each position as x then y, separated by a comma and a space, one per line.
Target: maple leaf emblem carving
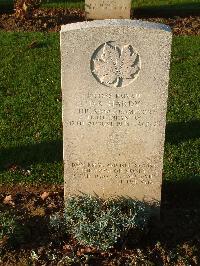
115, 66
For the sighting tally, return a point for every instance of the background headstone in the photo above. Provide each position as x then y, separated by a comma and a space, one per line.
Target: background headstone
114, 83
108, 9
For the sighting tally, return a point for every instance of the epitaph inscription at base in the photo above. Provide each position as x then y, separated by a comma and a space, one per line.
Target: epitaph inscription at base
114, 82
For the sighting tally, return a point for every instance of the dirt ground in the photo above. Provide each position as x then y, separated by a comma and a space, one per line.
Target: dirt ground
175, 240
50, 20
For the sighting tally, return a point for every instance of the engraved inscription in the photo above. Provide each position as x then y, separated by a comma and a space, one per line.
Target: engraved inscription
115, 110
115, 66
106, 5
122, 172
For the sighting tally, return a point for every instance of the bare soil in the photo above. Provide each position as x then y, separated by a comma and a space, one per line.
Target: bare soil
50, 20
175, 240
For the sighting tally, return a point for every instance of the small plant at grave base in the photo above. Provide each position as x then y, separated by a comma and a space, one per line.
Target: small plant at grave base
57, 225
7, 227
101, 224
12, 231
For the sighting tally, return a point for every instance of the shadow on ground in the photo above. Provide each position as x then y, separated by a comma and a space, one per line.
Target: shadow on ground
45, 152
181, 131
6, 7
179, 225
179, 10
48, 152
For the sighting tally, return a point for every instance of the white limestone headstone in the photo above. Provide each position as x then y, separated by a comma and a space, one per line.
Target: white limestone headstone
108, 9
114, 85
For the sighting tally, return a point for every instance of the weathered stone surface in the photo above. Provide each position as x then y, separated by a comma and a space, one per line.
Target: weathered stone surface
114, 83
108, 9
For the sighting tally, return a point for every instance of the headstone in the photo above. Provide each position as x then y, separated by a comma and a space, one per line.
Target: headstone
115, 84
107, 9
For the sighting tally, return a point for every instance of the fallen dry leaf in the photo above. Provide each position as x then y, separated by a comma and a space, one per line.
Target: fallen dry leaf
67, 247
33, 44
44, 195
38, 212
51, 206
3, 241
85, 250
14, 167
8, 200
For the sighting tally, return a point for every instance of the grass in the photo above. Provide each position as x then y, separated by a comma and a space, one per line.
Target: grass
30, 109
166, 8
183, 4
182, 158
160, 3
64, 4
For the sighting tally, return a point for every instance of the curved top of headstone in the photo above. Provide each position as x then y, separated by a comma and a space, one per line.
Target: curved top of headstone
116, 22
